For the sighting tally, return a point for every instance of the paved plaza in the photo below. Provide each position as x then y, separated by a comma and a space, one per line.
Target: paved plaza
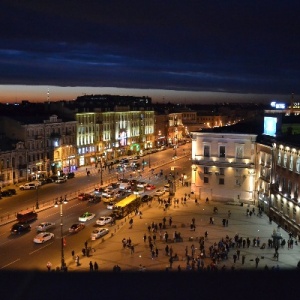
110, 252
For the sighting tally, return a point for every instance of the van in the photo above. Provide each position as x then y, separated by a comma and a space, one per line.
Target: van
26, 216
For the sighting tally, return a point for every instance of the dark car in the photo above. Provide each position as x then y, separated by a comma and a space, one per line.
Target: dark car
76, 227
95, 199
70, 175
146, 198
12, 191
19, 228
85, 197
46, 180
6, 193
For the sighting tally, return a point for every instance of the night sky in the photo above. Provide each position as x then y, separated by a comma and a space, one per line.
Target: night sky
169, 50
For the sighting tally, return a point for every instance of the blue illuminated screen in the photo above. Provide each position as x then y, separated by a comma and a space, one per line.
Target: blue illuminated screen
270, 126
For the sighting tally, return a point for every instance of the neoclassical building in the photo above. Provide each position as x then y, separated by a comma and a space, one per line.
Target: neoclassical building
223, 166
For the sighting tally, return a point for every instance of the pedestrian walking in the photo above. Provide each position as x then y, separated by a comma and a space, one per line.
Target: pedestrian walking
77, 260
73, 253
145, 238
243, 259
238, 252
91, 266
234, 258
170, 221
256, 261
132, 249
130, 223
96, 266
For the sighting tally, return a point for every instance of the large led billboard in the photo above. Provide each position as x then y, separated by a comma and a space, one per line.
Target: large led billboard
270, 124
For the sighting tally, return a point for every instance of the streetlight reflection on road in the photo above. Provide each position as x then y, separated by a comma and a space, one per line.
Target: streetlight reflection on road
60, 204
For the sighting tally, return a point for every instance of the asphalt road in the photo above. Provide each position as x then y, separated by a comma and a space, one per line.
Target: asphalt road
20, 253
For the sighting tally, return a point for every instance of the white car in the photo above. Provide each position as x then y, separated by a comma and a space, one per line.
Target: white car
61, 180
159, 192
104, 220
86, 217
28, 186
43, 237
44, 226
99, 232
110, 205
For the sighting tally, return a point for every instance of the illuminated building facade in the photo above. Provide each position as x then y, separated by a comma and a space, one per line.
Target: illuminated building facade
106, 135
223, 166
285, 198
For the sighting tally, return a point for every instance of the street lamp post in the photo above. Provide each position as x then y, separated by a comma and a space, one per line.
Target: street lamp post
37, 206
60, 204
101, 178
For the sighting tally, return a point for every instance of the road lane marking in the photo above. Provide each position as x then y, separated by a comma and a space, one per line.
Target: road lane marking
10, 263
40, 248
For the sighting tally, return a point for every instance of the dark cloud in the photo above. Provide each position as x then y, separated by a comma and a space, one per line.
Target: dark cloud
231, 46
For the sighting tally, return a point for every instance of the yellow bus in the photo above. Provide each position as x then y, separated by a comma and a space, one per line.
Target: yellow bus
126, 206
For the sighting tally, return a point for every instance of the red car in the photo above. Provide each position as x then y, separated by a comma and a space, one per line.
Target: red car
150, 187
84, 197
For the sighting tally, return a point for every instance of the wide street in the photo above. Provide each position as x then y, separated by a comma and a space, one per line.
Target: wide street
32, 256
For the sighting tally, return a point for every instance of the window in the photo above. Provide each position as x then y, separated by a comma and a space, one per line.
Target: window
222, 171
205, 179
291, 162
239, 151
206, 151
205, 170
279, 158
222, 151
298, 165
285, 160
221, 181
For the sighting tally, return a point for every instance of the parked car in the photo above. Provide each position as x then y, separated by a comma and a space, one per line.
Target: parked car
99, 232
6, 193
70, 175
44, 226
12, 191
87, 216
19, 228
104, 220
28, 186
61, 180
43, 237
159, 192
76, 227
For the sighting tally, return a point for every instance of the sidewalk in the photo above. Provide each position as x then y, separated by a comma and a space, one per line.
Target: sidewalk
109, 251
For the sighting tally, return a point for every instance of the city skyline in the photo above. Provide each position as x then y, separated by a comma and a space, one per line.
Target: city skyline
205, 52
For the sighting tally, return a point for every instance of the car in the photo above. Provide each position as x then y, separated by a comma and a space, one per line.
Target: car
99, 191
76, 227
84, 196
99, 232
159, 192
37, 182
70, 175
86, 217
12, 191
150, 187
110, 205
28, 186
95, 199
104, 220
141, 184
61, 180
43, 237
44, 226
19, 228
146, 198
6, 193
